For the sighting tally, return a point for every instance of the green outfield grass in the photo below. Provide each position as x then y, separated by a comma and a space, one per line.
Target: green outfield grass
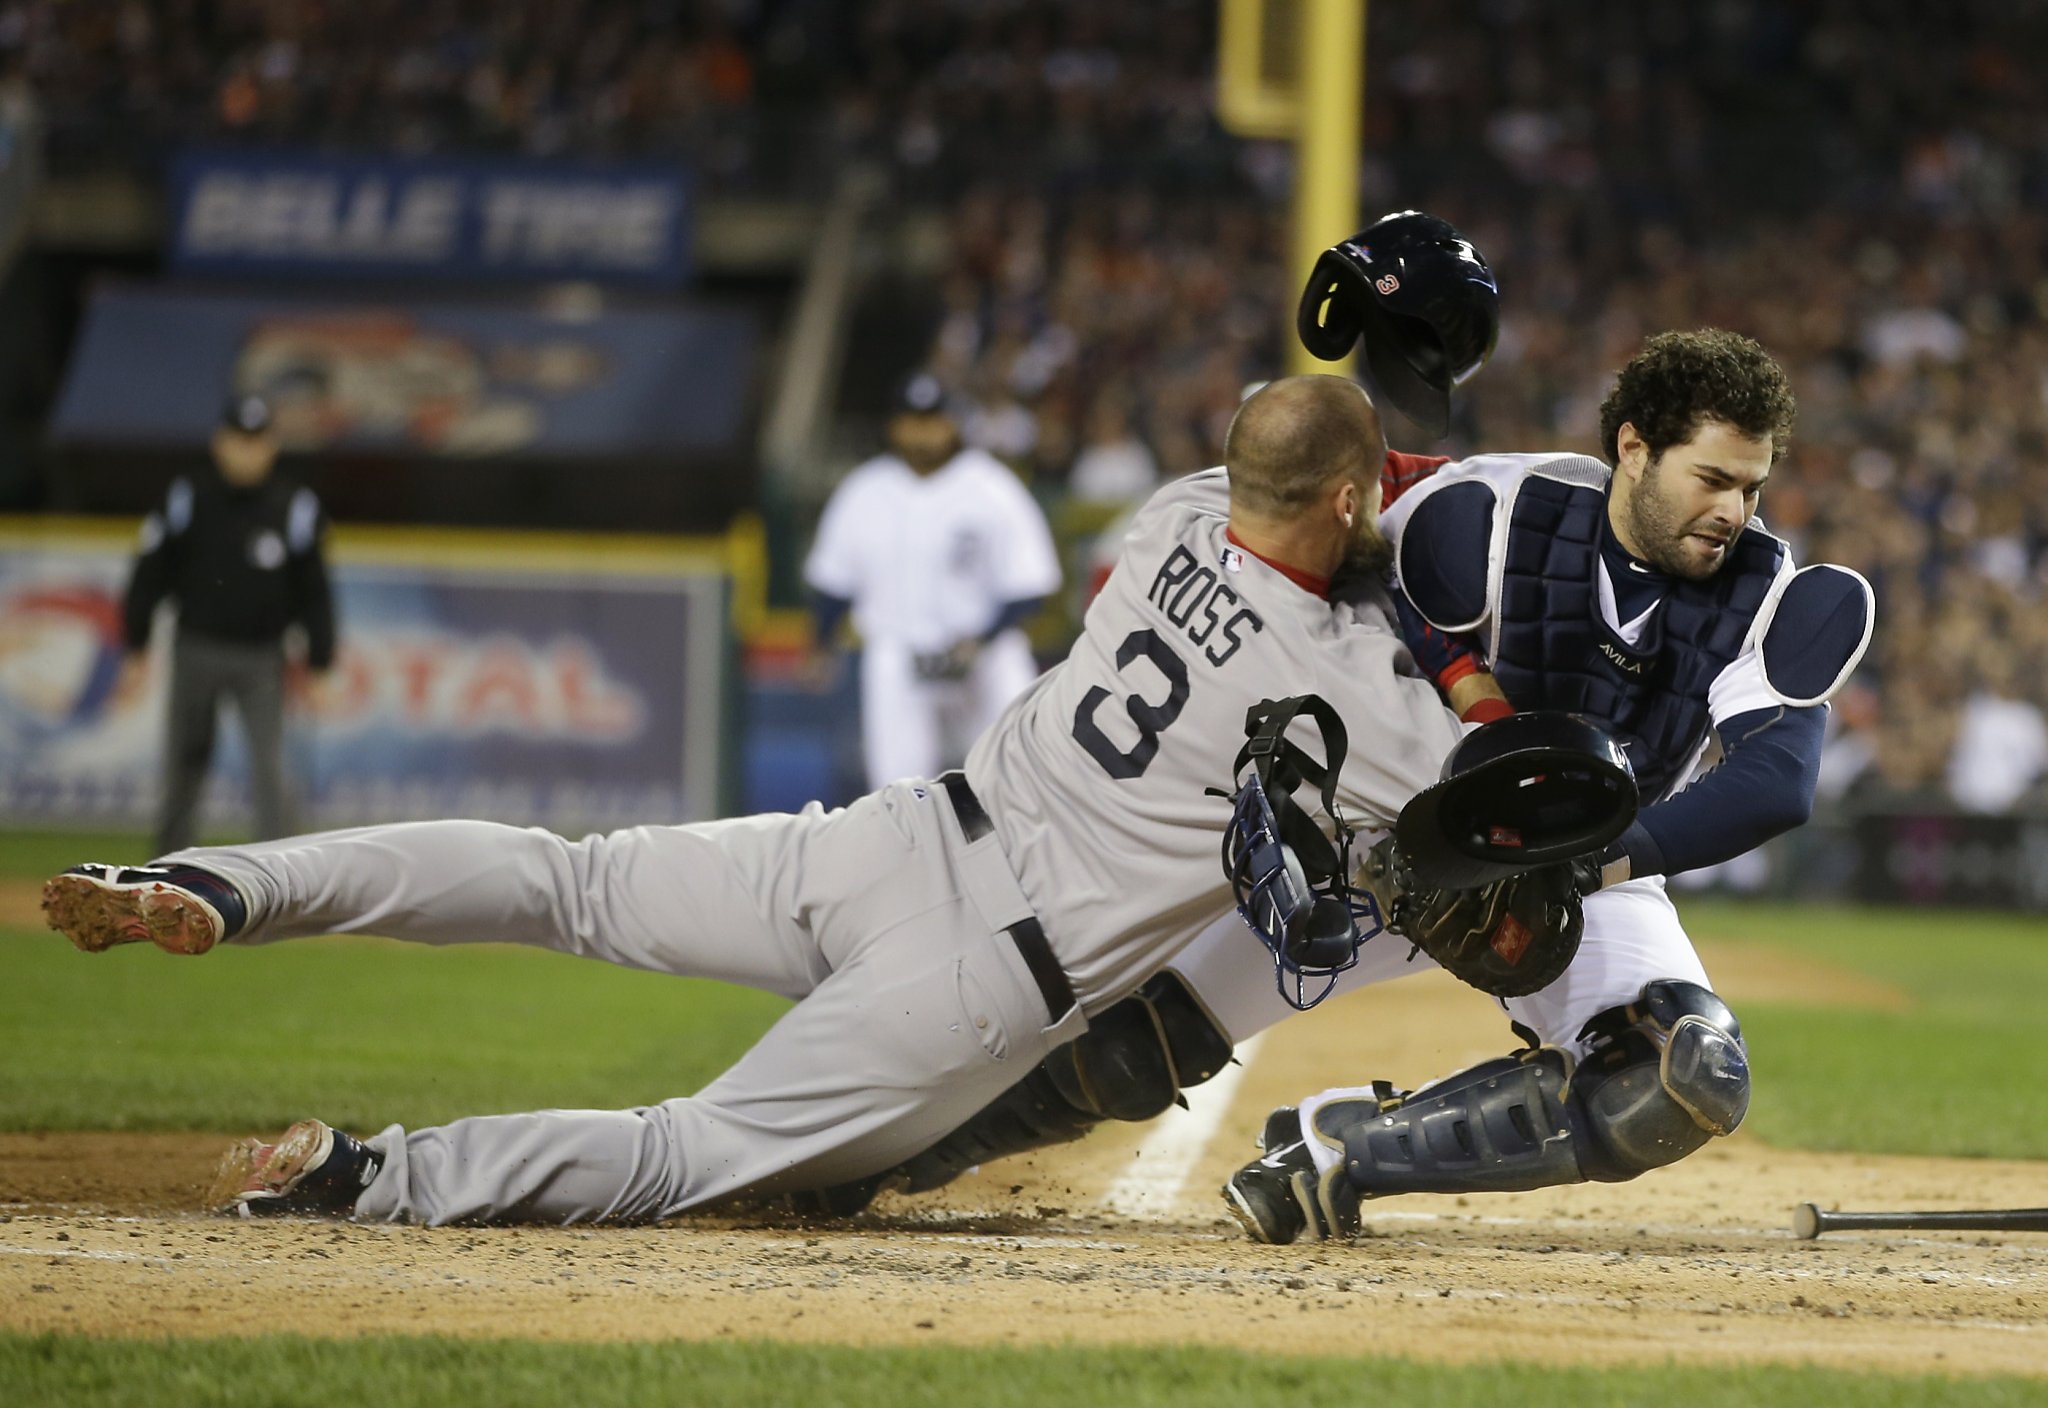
283, 1369
1958, 1072
368, 1032
31, 855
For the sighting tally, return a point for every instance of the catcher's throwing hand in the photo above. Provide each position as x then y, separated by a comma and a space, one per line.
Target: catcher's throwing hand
1507, 937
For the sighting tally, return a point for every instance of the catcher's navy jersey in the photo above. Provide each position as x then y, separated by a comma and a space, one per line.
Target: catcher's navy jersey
1096, 779
1744, 684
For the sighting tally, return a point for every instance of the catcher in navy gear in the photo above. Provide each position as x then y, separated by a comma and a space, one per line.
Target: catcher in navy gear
1645, 593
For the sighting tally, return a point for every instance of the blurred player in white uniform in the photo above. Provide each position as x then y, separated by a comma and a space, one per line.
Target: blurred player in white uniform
940, 554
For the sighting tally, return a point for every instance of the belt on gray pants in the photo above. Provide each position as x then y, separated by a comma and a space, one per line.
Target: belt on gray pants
1027, 933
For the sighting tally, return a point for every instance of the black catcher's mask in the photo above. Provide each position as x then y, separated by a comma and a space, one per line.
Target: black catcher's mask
1293, 883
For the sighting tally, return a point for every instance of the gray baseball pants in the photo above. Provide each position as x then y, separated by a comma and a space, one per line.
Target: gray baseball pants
204, 673
914, 1007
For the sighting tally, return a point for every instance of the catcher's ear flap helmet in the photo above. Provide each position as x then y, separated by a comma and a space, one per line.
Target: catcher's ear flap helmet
1524, 791
1423, 299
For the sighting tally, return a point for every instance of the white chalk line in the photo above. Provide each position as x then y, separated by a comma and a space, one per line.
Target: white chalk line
1166, 1159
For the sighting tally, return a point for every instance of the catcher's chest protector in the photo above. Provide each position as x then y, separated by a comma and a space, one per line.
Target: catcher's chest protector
1553, 650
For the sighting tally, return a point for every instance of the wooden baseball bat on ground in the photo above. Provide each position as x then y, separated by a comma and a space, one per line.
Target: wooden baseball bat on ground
1809, 1221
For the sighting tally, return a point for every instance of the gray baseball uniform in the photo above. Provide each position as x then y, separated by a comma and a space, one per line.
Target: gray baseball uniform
896, 921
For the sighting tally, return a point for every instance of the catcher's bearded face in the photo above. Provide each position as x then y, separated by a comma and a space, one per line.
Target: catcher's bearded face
1686, 505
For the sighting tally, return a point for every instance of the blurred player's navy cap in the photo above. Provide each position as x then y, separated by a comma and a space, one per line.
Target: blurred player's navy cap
921, 394
248, 414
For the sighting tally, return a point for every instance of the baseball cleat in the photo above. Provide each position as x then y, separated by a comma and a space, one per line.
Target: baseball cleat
1269, 1198
179, 908
1282, 1197
313, 1170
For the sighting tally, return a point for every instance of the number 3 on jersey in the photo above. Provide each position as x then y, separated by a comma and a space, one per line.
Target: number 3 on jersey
1151, 719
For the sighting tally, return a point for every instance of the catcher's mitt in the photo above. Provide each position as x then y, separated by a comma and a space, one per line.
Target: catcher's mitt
1508, 937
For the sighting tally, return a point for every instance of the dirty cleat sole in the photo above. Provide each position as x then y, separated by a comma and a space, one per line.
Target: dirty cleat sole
254, 1172
313, 1170
232, 1179
98, 907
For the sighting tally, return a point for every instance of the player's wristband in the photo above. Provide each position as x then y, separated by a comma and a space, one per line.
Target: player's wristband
1485, 711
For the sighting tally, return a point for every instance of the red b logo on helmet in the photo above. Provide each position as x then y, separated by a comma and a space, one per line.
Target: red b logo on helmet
1386, 283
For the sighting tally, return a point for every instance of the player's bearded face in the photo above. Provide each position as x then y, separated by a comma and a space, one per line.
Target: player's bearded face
1369, 550
924, 441
1692, 500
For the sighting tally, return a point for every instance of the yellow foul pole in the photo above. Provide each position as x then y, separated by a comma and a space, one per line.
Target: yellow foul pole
1327, 116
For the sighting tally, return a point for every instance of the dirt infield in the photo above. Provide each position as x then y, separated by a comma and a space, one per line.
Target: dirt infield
1692, 1263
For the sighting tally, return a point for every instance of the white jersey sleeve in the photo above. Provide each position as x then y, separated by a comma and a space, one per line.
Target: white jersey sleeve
836, 563
1097, 778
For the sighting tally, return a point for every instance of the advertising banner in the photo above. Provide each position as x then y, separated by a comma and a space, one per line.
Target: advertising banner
153, 367
573, 700
310, 213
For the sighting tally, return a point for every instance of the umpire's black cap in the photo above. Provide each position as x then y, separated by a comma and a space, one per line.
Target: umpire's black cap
248, 414
1425, 302
1527, 790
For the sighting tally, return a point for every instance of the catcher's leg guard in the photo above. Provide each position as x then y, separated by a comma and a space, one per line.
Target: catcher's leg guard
1498, 1126
1131, 1064
1663, 1075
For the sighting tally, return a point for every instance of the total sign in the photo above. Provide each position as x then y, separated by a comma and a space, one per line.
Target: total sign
582, 702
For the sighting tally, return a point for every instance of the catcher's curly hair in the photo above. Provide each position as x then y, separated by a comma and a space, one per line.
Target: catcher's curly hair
1680, 379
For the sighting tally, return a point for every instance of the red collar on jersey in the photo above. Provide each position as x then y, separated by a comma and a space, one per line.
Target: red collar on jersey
1307, 581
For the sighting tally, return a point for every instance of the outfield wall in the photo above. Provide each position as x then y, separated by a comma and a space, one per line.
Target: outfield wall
573, 682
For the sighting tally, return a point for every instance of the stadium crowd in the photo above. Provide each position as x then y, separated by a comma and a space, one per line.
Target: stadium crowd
1911, 308
1860, 184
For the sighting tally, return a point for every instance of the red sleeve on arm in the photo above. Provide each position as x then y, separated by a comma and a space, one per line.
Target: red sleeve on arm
1404, 472
1461, 665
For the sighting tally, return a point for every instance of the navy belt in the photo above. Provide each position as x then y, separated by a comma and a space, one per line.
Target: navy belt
1027, 933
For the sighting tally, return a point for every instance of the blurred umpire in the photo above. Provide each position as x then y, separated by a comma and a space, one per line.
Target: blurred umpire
241, 553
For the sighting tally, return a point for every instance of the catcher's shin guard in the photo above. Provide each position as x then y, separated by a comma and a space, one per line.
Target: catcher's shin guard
1662, 1076
1499, 1126
1131, 1064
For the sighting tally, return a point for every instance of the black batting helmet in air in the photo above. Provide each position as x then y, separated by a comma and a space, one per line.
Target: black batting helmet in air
1423, 299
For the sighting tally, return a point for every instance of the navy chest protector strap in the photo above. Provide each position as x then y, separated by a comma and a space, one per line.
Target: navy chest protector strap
1293, 883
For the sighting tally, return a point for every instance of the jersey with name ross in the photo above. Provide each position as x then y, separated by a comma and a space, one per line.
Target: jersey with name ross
1096, 778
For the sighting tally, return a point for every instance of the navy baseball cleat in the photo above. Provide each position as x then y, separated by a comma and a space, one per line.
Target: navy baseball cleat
179, 908
313, 1170
1281, 1197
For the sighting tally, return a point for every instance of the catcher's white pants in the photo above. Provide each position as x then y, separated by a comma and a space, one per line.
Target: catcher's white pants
914, 1008
910, 727
1633, 936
